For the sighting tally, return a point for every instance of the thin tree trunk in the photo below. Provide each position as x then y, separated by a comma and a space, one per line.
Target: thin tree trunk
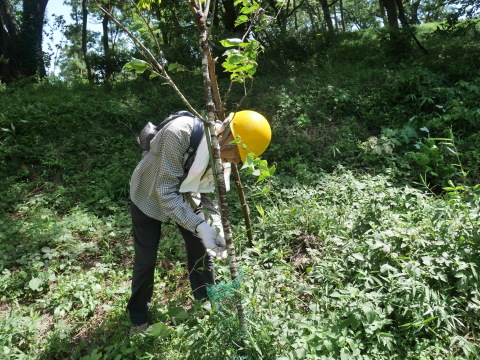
335, 17
406, 25
210, 88
106, 44
295, 19
85, 39
397, 44
392, 16
342, 17
8, 18
414, 16
327, 17
244, 204
229, 16
201, 21
401, 13
311, 15
383, 13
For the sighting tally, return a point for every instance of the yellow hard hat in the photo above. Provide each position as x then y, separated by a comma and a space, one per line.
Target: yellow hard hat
253, 131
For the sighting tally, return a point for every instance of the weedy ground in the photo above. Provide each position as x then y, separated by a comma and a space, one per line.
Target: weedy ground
343, 266
366, 238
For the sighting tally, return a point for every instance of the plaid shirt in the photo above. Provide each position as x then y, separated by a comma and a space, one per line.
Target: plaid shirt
155, 182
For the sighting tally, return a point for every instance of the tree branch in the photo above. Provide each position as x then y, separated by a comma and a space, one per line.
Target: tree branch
153, 61
295, 8
244, 204
403, 20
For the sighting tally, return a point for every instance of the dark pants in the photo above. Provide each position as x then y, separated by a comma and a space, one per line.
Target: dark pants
146, 235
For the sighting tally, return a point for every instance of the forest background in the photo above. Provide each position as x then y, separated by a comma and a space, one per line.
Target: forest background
366, 241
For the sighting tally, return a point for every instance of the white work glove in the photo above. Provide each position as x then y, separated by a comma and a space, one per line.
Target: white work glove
212, 240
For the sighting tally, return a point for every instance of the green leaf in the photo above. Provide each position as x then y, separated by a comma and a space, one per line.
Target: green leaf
249, 165
35, 284
241, 20
140, 66
430, 319
176, 67
344, 354
257, 167
441, 139
266, 173
147, 4
260, 210
231, 42
236, 58
178, 313
155, 74
420, 323
159, 330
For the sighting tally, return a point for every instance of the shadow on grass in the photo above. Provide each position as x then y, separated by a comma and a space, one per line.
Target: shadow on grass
104, 336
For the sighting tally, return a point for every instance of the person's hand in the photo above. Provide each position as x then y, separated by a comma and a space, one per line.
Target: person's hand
212, 240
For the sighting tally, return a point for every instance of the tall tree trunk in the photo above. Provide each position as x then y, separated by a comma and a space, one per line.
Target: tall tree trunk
406, 25
165, 31
342, 16
9, 40
213, 108
31, 36
327, 17
414, 15
383, 14
401, 13
335, 16
295, 16
85, 39
243, 202
230, 15
106, 45
280, 15
397, 44
311, 15
8, 18
392, 15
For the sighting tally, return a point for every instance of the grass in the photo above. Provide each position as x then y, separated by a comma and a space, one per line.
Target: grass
344, 265
354, 256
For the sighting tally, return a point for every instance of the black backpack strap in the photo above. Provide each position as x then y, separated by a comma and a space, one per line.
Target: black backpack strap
197, 135
195, 138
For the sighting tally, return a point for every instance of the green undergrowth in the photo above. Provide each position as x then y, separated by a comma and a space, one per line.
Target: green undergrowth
344, 266
77, 141
366, 239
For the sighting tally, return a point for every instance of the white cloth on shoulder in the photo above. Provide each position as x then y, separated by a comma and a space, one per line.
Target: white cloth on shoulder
200, 176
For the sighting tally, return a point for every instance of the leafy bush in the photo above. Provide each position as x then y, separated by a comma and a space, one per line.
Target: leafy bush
380, 269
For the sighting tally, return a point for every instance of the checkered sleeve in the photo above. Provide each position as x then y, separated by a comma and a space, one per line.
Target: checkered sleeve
172, 145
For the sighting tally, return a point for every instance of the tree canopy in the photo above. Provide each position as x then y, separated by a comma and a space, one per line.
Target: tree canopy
291, 31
